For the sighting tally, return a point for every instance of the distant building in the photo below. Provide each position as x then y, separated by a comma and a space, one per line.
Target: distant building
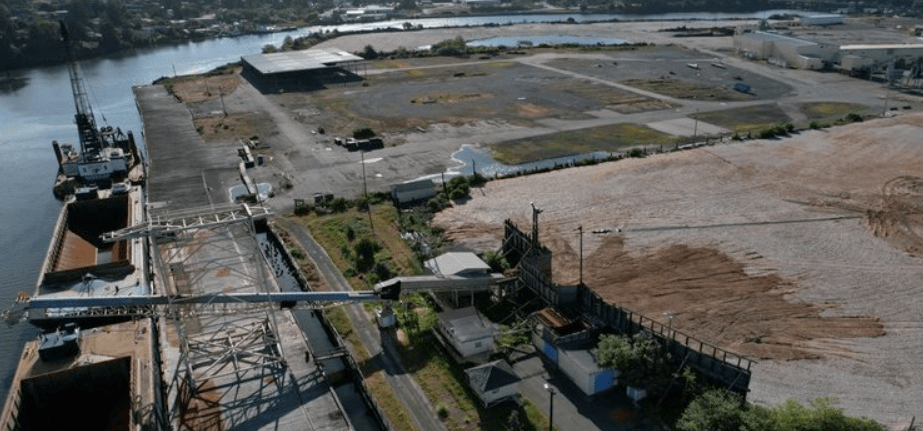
785, 51
482, 3
876, 57
371, 12
305, 69
468, 332
493, 382
822, 19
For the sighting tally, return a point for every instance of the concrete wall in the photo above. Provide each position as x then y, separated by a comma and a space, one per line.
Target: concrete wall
500, 393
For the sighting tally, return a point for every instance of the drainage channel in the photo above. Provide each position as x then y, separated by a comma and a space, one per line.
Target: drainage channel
320, 338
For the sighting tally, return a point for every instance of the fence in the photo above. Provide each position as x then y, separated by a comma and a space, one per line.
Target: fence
709, 360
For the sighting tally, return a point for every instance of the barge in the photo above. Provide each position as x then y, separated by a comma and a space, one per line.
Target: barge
94, 366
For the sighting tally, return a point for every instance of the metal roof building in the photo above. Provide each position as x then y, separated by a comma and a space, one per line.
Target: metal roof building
305, 69
297, 61
463, 264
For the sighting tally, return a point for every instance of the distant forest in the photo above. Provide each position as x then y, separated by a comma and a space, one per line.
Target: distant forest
29, 34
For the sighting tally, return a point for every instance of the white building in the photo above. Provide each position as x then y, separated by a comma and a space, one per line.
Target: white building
493, 382
468, 332
462, 264
822, 19
413, 191
858, 57
785, 51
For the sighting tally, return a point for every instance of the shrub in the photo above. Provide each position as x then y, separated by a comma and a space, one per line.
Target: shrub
303, 210
637, 153
339, 205
363, 133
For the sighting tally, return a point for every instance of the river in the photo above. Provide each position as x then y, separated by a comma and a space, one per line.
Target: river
42, 110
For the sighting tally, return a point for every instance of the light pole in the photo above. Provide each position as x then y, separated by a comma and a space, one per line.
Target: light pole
551, 393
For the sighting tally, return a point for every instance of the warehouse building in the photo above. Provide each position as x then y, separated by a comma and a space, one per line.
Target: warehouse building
874, 58
303, 70
785, 51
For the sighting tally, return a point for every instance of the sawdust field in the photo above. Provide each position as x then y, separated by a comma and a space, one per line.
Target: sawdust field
803, 253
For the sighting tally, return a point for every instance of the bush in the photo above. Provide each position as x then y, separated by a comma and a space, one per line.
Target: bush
496, 261
339, 205
365, 250
718, 410
477, 180
363, 133
303, 210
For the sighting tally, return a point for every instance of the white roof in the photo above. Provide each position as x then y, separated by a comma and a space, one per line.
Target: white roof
291, 61
762, 35
466, 324
455, 263
883, 46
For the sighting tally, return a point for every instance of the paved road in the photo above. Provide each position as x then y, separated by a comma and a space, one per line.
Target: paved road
413, 398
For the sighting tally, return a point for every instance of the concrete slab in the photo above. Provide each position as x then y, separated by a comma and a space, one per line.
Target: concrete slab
184, 172
687, 127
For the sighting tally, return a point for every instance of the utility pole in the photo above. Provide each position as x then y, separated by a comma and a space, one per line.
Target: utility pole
580, 229
695, 129
365, 191
551, 393
535, 213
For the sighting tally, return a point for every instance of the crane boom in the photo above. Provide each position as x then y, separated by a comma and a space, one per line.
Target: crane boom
90, 140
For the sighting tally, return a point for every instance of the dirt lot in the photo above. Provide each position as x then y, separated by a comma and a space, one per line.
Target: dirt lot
803, 252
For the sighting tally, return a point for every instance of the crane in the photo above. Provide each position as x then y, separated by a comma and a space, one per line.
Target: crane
90, 139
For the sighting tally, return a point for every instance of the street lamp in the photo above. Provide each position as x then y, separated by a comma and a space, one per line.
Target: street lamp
551, 391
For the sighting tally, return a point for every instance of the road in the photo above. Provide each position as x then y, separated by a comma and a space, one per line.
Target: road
412, 397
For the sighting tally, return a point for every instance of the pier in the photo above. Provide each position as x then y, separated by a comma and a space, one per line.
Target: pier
245, 368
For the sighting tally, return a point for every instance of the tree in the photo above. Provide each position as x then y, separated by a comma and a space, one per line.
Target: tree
369, 53
719, 410
365, 250
714, 410
640, 358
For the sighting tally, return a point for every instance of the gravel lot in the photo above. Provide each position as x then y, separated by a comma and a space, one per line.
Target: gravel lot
803, 252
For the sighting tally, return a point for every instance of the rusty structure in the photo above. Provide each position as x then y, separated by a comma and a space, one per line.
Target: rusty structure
717, 365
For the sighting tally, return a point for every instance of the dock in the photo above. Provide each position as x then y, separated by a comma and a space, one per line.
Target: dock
243, 367
183, 171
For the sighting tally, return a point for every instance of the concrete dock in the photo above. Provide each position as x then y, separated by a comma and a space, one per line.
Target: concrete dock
183, 171
224, 369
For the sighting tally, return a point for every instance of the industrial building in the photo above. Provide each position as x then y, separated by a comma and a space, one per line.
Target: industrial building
821, 19
785, 51
300, 70
877, 57
468, 332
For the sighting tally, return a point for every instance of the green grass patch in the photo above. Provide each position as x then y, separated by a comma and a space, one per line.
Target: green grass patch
747, 119
388, 401
682, 89
606, 138
338, 233
830, 110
